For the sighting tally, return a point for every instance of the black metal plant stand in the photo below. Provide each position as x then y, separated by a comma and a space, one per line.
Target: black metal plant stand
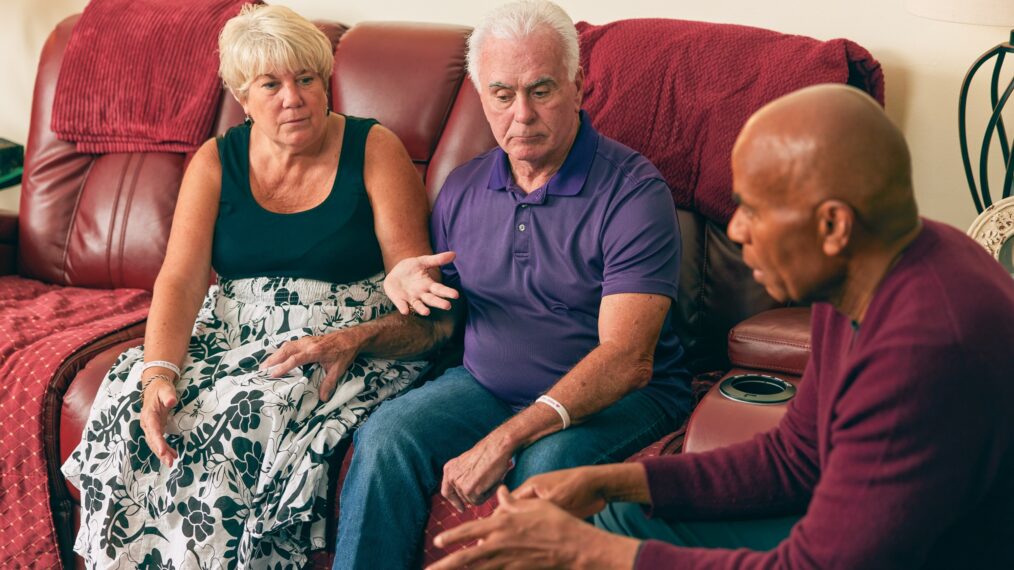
995, 125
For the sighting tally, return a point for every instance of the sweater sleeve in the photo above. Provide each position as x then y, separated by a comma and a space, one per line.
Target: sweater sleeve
907, 440
773, 474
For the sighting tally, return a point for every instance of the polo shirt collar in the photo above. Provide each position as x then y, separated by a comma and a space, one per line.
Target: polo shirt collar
570, 179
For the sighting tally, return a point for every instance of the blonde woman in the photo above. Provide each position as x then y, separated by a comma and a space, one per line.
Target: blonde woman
210, 442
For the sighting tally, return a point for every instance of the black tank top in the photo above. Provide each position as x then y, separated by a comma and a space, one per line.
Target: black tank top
333, 241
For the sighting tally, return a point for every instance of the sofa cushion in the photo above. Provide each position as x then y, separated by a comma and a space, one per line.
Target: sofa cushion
777, 340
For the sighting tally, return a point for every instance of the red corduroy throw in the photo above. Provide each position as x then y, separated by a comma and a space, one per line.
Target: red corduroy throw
40, 327
141, 75
679, 92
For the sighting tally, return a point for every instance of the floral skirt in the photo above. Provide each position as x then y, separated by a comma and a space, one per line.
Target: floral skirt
249, 488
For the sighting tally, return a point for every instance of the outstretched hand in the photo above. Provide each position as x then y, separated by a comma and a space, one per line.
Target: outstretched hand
334, 351
411, 285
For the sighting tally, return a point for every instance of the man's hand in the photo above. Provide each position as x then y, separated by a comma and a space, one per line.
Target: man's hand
158, 399
334, 351
534, 533
411, 286
579, 491
471, 477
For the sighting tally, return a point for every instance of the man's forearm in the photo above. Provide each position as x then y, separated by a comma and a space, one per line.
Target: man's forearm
400, 336
599, 380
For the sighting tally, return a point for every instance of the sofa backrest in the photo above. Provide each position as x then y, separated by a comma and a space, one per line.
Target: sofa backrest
103, 221
411, 78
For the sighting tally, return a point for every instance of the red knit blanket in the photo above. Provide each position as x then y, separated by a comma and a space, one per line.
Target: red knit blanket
141, 75
41, 326
678, 92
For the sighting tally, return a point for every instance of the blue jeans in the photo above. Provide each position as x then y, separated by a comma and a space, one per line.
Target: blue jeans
756, 534
401, 449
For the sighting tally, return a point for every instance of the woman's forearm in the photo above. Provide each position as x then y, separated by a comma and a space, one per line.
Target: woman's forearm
174, 308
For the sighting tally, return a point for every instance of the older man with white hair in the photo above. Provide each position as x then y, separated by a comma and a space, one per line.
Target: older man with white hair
565, 247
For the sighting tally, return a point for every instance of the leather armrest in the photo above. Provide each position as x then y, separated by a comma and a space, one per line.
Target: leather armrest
77, 402
776, 340
718, 421
8, 242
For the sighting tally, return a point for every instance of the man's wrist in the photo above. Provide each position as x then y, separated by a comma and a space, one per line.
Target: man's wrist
608, 550
623, 482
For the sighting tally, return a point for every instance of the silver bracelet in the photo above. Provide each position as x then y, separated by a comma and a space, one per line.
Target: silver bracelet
552, 403
161, 364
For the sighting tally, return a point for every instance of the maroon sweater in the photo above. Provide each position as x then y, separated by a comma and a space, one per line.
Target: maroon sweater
899, 446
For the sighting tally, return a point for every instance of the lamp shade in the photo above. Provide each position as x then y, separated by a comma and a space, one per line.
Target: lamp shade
984, 12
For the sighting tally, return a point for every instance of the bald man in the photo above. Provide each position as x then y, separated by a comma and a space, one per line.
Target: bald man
898, 451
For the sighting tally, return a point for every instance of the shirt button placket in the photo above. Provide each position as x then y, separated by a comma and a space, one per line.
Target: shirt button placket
522, 230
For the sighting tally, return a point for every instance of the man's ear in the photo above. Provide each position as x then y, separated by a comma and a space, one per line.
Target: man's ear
836, 220
579, 83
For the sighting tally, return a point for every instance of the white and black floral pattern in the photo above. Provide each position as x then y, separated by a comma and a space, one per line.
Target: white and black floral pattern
249, 487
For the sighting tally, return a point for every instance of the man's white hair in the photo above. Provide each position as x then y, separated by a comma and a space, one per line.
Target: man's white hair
519, 20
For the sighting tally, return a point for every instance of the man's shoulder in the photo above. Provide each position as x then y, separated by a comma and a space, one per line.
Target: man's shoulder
633, 166
475, 171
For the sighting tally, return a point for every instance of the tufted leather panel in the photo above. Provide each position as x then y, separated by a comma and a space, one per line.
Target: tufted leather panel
124, 212
776, 340
423, 67
718, 421
716, 291
465, 136
52, 176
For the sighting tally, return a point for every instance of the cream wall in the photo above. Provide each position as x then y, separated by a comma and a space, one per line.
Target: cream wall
924, 60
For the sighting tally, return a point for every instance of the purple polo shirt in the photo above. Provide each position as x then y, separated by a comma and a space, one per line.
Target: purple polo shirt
533, 268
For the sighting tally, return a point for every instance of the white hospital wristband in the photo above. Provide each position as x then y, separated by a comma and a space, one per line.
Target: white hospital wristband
552, 403
162, 364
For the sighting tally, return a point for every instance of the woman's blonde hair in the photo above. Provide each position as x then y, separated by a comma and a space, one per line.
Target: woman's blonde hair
267, 39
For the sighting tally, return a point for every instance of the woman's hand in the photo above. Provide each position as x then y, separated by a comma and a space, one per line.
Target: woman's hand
411, 286
334, 351
158, 398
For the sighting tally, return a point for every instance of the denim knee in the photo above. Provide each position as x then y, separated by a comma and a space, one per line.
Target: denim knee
549, 454
620, 518
387, 435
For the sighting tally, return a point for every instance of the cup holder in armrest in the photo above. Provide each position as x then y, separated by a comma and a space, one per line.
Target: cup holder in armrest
757, 389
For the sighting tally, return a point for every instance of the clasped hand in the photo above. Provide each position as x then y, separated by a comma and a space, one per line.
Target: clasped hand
411, 285
471, 477
533, 533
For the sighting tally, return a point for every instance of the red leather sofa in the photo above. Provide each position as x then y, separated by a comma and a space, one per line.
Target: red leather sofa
100, 222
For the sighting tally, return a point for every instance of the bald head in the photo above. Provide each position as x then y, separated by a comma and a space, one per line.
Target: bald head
831, 142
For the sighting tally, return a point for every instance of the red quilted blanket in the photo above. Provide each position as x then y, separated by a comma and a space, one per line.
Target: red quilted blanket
41, 326
678, 92
141, 75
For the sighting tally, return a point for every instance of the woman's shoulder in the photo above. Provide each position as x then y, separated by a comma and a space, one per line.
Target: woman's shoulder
206, 161
236, 134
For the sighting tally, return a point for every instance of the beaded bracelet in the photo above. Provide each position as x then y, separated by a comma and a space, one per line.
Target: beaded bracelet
145, 382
